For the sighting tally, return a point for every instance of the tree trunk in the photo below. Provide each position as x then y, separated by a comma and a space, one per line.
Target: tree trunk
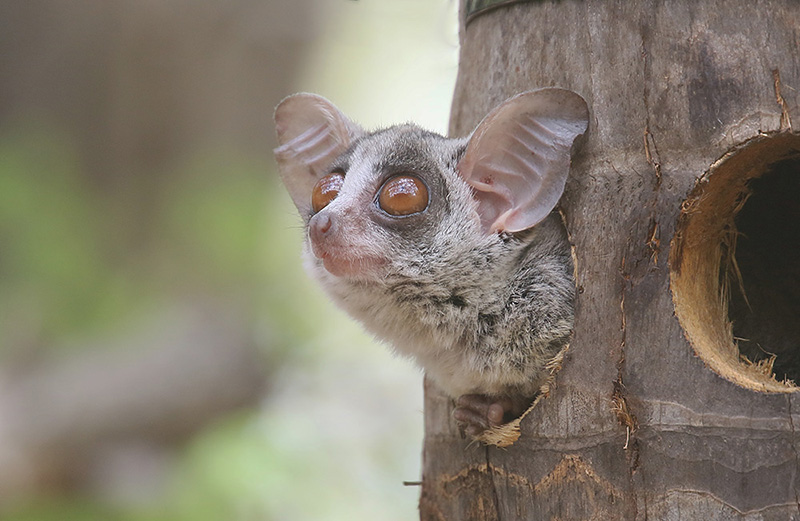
654, 415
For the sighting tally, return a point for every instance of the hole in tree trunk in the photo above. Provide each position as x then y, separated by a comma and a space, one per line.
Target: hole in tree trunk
735, 264
765, 308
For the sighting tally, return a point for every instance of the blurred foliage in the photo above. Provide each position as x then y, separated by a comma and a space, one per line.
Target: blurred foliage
82, 257
69, 265
55, 277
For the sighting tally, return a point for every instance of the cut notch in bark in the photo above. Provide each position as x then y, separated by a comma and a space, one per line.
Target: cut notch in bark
735, 264
507, 434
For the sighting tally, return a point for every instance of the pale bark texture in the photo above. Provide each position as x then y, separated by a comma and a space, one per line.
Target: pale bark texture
653, 416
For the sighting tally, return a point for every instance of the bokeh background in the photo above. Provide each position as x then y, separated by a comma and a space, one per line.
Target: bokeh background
162, 354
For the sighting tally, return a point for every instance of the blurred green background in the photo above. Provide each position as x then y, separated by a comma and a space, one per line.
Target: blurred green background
162, 354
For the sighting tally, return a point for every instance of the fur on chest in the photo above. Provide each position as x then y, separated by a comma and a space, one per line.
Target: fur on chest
488, 336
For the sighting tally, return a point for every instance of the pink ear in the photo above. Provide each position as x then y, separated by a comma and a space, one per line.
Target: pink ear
518, 158
312, 132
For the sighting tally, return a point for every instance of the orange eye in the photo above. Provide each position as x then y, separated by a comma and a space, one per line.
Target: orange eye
403, 195
326, 190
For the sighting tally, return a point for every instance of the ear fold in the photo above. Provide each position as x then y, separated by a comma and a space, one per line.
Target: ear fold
518, 158
312, 132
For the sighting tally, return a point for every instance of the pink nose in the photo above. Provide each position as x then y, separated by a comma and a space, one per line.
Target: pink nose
320, 226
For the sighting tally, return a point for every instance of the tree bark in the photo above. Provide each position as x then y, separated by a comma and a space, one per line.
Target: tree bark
654, 415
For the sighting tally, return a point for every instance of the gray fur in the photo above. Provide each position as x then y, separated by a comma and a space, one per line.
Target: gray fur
482, 314
481, 309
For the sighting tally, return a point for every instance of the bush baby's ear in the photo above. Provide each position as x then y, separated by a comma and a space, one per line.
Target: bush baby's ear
517, 159
312, 132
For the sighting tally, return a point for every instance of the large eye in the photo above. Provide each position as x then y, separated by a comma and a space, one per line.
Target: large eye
326, 190
403, 195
